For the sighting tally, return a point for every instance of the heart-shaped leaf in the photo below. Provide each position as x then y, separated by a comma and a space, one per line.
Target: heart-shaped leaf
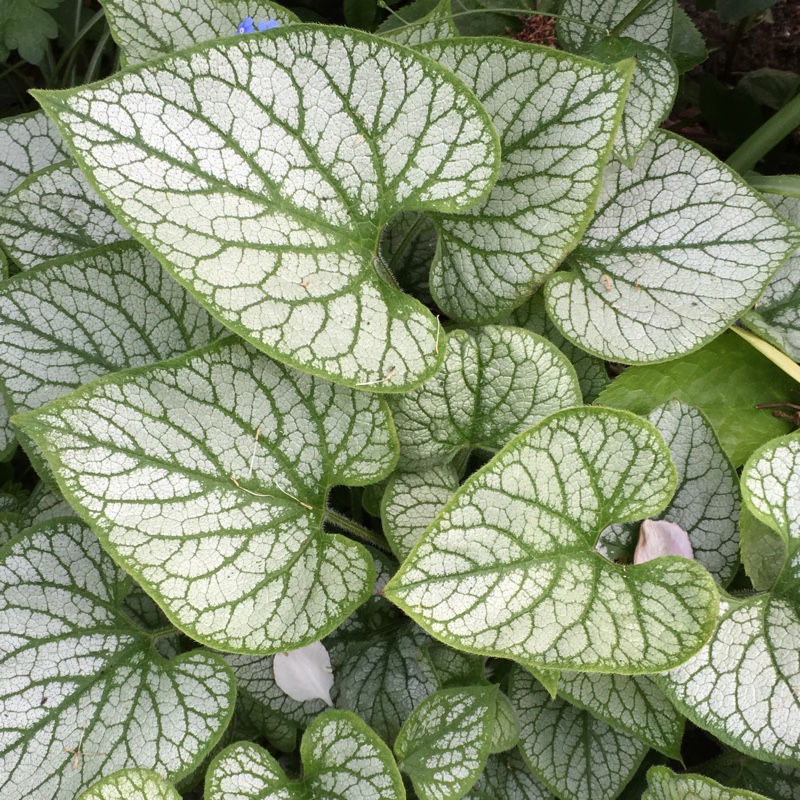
444, 745
679, 247
89, 315
83, 693
28, 143
271, 204
776, 315
576, 755
666, 785
339, 753
557, 116
706, 503
146, 30
509, 568
507, 777
495, 383
207, 476
132, 784
742, 685
422, 21
55, 213
410, 503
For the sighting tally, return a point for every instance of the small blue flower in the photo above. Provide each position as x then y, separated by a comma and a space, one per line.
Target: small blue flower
246, 26
268, 25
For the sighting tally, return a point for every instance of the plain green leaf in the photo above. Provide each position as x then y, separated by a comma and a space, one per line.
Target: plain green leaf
144, 30
556, 115
495, 382
726, 380
131, 784
763, 551
28, 143
360, 13
678, 249
339, 753
509, 568
488, 17
26, 26
770, 87
272, 190
577, 756
207, 477
731, 11
666, 785
444, 745
52, 213
773, 780
422, 21
83, 693
687, 46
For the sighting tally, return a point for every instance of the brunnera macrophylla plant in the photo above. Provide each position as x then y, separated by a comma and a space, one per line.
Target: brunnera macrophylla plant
300, 329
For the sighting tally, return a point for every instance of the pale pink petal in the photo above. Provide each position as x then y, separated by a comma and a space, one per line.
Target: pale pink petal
657, 537
305, 674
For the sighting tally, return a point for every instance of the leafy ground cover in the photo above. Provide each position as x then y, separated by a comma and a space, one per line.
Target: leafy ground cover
399, 400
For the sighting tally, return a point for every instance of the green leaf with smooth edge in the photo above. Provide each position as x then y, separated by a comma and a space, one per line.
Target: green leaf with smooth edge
679, 247
651, 93
742, 685
507, 777
488, 17
28, 143
763, 551
444, 745
509, 568
706, 503
340, 754
495, 383
132, 784
505, 733
266, 706
666, 785
146, 30
726, 380
55, 213
557, 116
631, 703
410, 503
653, 25
269, 206
776, 315
26, 26
577, 756
84, 695
591, 371
88, 315
423, 21
206, 477
384, 678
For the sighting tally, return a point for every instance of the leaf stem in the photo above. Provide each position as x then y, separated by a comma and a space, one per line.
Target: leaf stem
777, 357
630, 17
776, 128
788, 185
359, 531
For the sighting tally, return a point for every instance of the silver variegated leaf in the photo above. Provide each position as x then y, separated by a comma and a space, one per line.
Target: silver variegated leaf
679, 247
83, 693
422, 21
557, 116
666, 785
272, 189
507, 777
132, 784
509, 568
207, 476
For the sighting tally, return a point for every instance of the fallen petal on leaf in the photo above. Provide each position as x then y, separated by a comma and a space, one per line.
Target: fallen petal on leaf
657, 537
305, 674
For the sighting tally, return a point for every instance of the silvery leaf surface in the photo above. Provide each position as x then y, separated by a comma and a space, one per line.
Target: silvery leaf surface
28, 143
43, 504
679, 248
742, 686
55, 212
509, 569
131, 784
576, 755
706, 503
666, 785
557, 116
272, 189
495, 382
423, 21
146, 30
340, 755
84, 694
507, 777
206, 476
